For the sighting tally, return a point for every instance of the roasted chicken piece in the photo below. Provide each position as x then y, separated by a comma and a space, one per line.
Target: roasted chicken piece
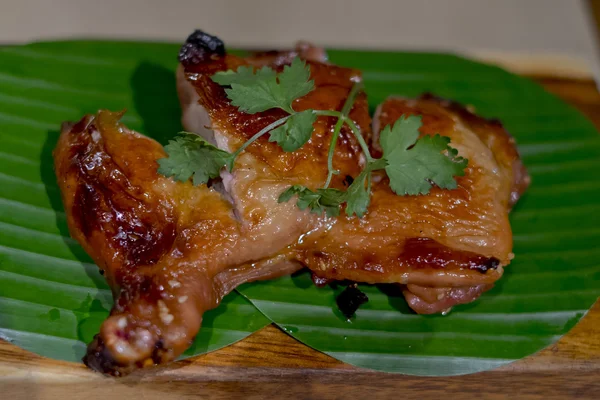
444, 248
171, 250
264, 170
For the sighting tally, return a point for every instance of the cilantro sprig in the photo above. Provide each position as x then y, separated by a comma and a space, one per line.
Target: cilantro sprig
190, 156
412, 164
253, 92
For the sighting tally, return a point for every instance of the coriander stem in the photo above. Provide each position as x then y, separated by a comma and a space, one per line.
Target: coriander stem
334, 138
353, 127
288, 109
259, 134
338, 127
328, 113
361, 140
351, 96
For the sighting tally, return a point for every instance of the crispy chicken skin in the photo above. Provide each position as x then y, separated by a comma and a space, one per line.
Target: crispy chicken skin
171, 251
264, 170
451, 242
446, 247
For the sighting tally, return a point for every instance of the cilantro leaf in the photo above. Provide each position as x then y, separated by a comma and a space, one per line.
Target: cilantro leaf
323, 200
286, 195
296, 131
255, 92
244, 75
190, 155
402, 135
295, 81
358, 196
330, 200
414, 165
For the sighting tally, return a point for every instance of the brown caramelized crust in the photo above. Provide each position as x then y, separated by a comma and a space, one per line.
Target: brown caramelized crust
264, 170
497, 139
332, 85
109, 208
170, 251
446, 239
449, 238
417, 255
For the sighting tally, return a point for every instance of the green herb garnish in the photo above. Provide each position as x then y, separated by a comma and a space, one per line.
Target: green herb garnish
255, 92
191, 155
412, 164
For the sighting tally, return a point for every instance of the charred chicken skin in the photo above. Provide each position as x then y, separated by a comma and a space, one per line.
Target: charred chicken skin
171, 250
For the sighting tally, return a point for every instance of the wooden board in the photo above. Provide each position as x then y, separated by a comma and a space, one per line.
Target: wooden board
271, 364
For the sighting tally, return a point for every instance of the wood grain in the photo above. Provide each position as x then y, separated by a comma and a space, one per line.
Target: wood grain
594, 9
271, 364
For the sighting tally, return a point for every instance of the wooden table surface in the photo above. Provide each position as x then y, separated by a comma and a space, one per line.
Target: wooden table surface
271, 364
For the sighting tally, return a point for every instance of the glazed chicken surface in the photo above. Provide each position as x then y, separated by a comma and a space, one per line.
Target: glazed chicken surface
171, 250
444, 248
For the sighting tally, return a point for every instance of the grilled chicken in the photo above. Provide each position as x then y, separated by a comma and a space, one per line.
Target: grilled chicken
264, 170
171, 250
444, 248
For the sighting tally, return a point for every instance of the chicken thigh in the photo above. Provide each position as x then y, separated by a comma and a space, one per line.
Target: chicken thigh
444, 248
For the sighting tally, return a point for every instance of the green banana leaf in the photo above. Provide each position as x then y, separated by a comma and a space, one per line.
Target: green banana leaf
52, 298
550, 285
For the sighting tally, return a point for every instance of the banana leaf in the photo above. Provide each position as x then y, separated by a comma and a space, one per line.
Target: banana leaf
52, 298
549, 286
